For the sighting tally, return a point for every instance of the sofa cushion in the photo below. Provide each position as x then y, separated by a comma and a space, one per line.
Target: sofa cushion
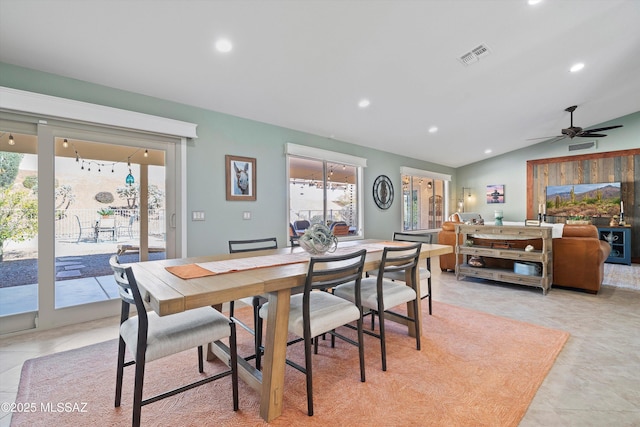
570, 230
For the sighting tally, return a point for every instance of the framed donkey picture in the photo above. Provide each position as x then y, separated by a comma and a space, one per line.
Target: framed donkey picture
240, 177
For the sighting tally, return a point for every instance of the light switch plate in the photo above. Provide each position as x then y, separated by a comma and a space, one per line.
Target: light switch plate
246, 215
197, 216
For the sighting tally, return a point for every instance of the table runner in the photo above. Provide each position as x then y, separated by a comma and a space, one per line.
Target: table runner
203, 269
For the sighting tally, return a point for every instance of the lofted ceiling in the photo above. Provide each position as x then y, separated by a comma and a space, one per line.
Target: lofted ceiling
305, 65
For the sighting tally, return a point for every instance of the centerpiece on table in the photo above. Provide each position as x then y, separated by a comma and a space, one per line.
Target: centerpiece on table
318, 240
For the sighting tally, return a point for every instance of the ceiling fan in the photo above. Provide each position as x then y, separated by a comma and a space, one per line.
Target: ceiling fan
573, 131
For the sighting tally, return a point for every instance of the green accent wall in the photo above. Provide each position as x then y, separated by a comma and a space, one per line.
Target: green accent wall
220, 134
510, 169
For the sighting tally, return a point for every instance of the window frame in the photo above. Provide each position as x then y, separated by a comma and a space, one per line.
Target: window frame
327, 156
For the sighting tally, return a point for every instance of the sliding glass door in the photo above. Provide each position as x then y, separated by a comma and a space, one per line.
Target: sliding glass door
86, 193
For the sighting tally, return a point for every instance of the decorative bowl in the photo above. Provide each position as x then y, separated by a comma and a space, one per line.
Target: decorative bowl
318, 240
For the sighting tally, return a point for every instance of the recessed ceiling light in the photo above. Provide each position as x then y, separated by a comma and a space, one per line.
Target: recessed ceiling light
364, 103
223, 45
533, 2
577, 67
433, 129
487, 151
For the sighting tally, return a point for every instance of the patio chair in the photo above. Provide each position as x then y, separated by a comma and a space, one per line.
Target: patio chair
127, 228
150, 337
301, 226
86, 227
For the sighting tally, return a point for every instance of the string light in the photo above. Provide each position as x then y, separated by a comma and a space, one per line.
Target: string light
65, 143
146, 153
11, 140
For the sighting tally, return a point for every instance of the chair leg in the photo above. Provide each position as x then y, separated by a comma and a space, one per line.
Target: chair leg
383, 344
416, 307
137, 390
429, 289
361, 345
234, 365
231, 306
200, 359
308, 371
120, 372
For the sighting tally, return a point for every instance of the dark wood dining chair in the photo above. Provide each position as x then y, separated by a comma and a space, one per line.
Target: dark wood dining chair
250, 245
315, 312
150, 337
380, 294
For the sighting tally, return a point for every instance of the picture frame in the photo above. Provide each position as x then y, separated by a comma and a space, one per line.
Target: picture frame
495, 193
240, 178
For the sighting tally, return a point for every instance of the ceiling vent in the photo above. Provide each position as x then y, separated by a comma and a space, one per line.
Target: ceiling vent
583, 146
475, 54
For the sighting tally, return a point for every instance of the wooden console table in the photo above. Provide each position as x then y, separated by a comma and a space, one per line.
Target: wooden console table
542, 258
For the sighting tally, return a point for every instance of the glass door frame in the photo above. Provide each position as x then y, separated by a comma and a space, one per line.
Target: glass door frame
175, 148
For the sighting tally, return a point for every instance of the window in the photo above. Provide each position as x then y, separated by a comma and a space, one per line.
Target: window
424, 197
324, 187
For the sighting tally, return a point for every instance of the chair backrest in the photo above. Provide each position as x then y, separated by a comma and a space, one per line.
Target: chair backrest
302, 224
330, 271
399, 258
236, 246
400, 236
129, 292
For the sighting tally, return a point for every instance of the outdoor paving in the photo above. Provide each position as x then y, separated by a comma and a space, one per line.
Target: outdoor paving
22, 299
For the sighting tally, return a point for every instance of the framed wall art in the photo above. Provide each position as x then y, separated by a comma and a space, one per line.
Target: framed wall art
495, 193
240, 178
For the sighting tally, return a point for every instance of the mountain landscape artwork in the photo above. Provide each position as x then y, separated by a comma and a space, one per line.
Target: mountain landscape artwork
584, 200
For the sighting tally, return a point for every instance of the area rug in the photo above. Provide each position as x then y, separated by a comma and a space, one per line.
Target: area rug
475, 369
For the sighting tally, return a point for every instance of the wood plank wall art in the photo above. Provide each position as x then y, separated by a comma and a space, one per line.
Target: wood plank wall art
614, 166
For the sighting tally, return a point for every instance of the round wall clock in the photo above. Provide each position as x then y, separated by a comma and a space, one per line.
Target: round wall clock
383, 192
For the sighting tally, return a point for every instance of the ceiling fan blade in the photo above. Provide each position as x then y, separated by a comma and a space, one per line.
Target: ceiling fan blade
601, 129
558, 138
592, 135
544, 137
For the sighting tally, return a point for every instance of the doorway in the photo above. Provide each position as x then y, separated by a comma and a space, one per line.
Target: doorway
96, 192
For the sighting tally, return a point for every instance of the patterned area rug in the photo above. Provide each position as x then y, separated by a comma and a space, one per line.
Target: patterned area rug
622, 276
474, 369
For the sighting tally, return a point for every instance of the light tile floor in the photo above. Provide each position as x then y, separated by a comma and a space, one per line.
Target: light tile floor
594, 382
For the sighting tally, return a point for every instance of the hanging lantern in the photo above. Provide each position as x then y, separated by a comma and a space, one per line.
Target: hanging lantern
130, 180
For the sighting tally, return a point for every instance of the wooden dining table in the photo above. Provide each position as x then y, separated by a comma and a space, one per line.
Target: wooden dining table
167, 293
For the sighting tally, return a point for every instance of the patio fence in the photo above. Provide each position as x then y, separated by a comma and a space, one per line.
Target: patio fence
67, 226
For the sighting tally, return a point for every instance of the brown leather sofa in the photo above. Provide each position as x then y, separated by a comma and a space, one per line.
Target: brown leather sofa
578, 256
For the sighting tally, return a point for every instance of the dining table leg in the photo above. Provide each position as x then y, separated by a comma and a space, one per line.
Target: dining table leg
275, 349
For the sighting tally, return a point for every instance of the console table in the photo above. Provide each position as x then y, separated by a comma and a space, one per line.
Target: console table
620, 240
542, 258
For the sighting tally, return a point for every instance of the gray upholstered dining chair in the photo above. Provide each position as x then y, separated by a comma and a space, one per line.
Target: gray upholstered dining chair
380, 294
315, 312
423, 273
150, 337
250, 245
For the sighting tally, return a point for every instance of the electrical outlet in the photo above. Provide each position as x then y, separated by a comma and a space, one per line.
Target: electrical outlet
246, 215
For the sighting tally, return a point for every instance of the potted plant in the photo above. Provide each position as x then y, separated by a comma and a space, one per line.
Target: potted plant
105, 212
